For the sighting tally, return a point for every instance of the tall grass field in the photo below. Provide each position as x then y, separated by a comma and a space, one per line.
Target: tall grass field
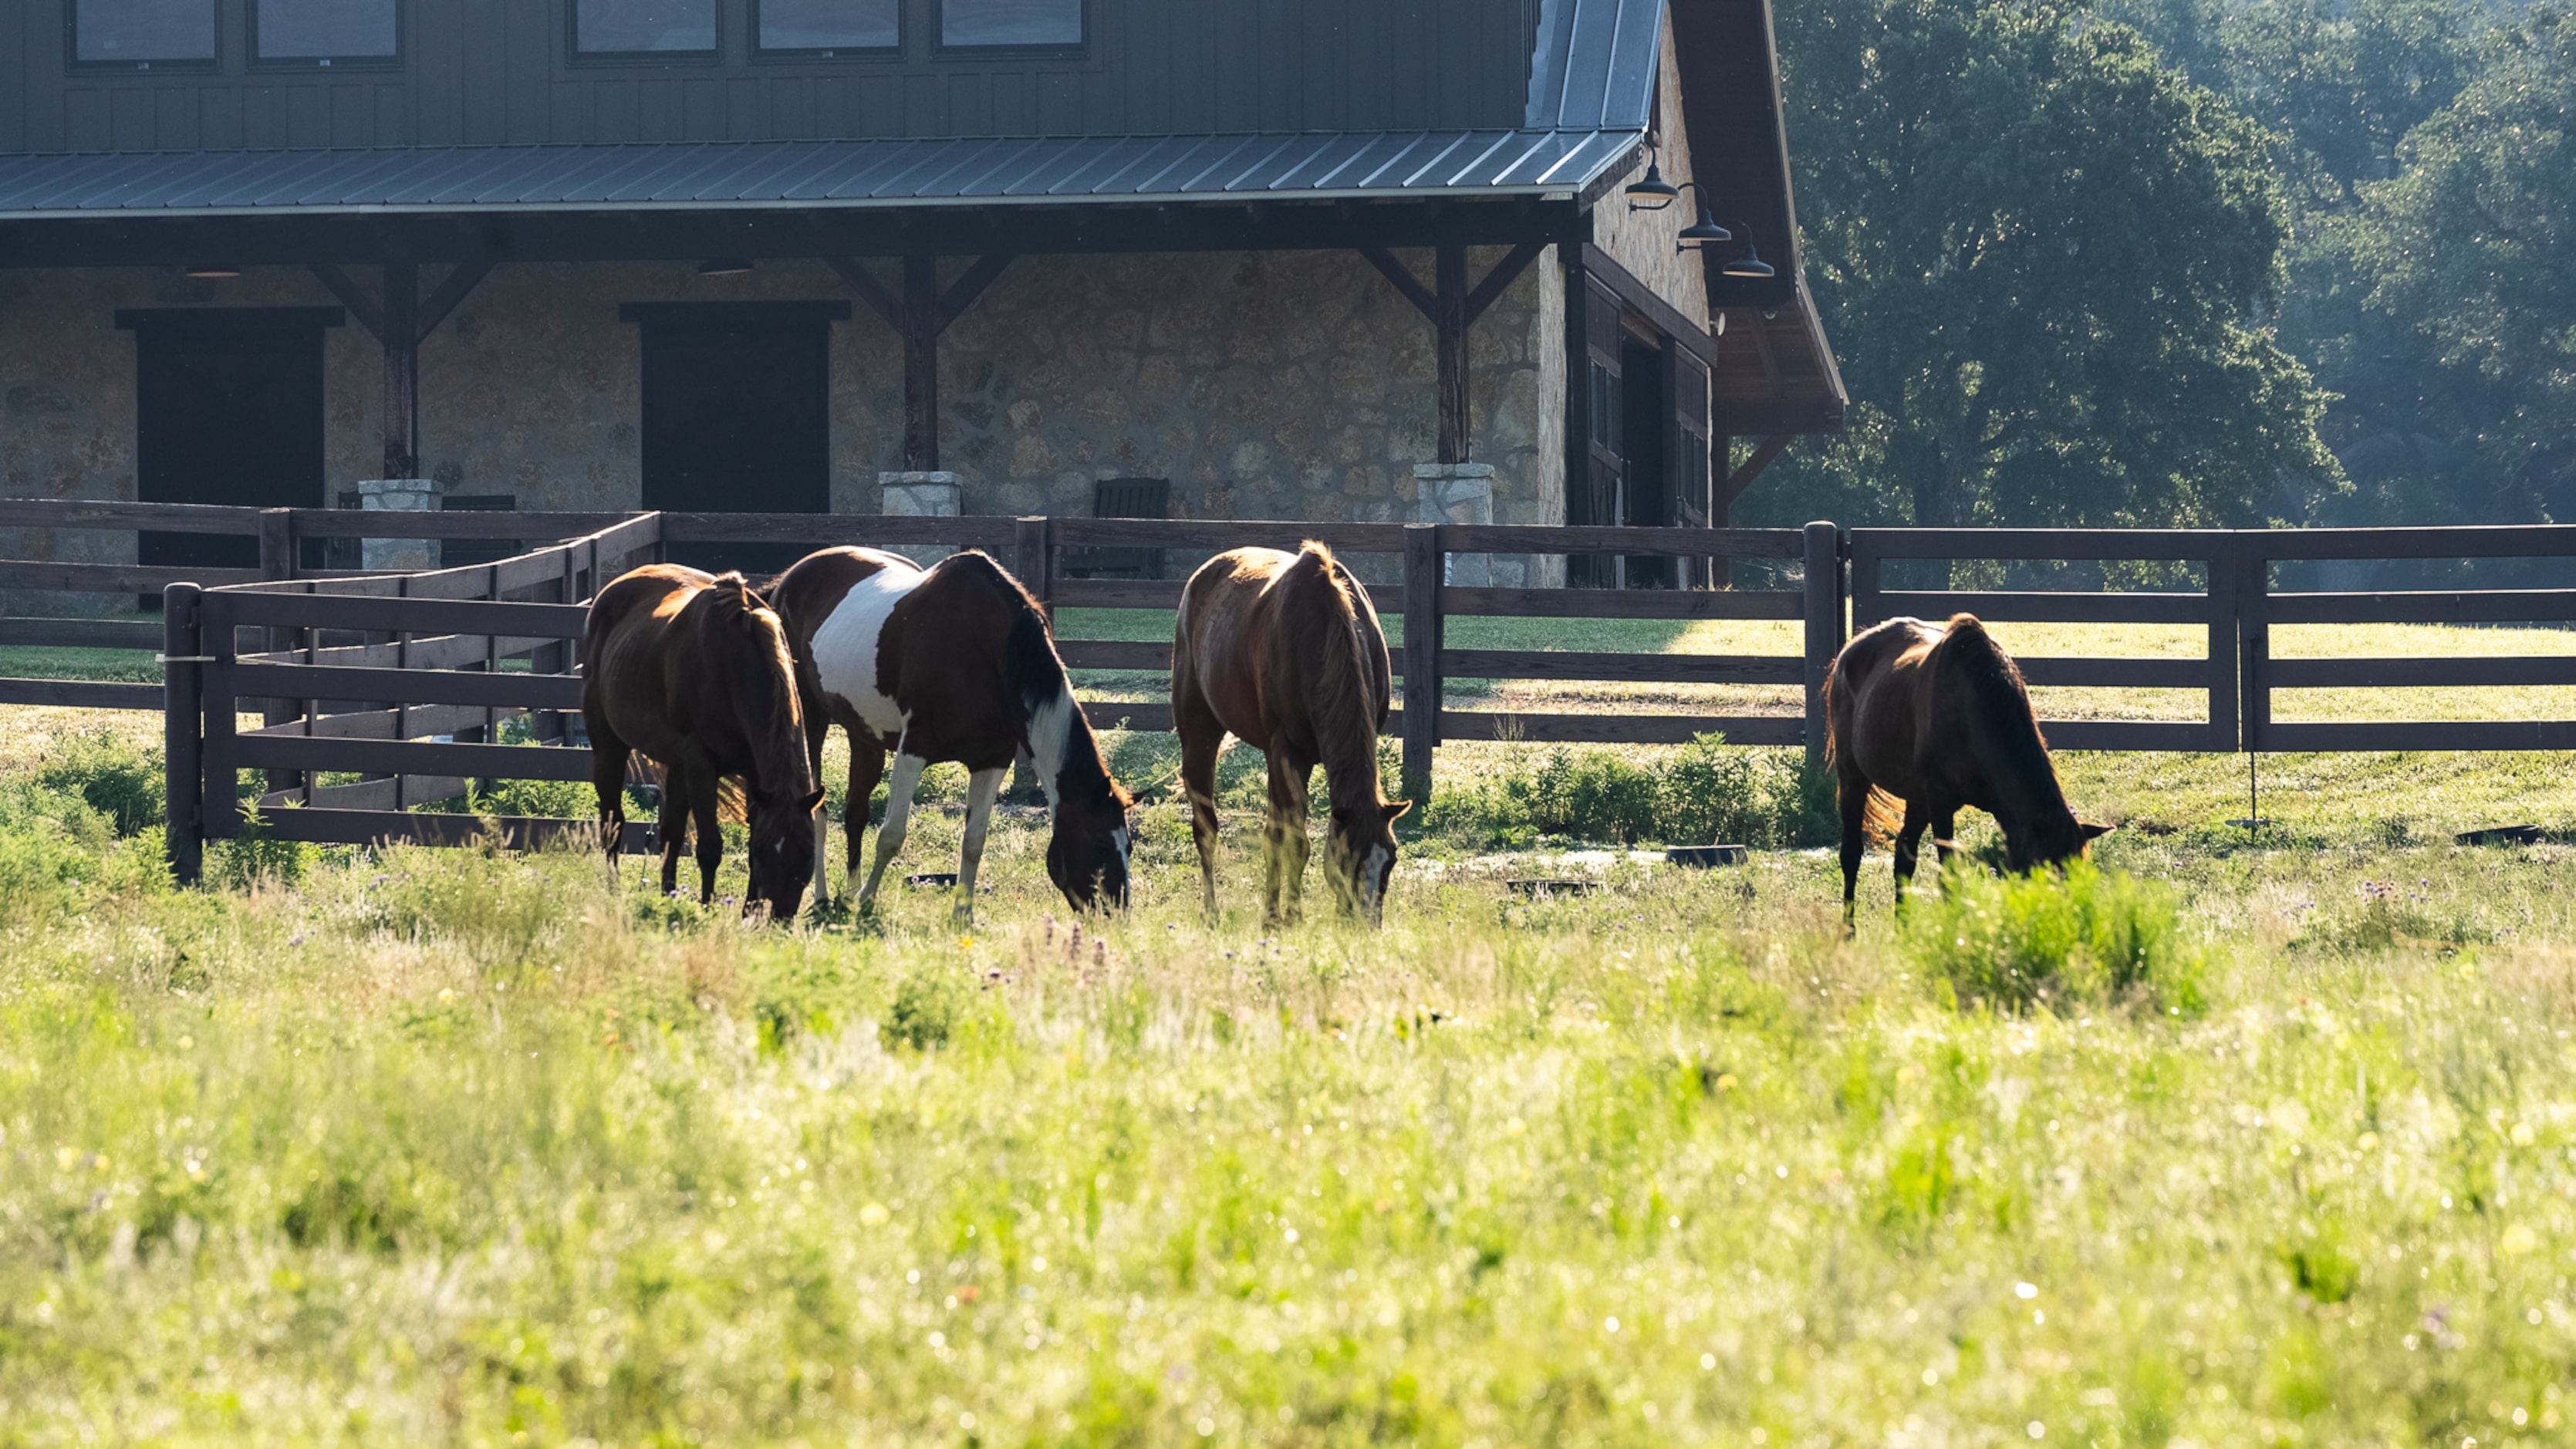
2241, 1137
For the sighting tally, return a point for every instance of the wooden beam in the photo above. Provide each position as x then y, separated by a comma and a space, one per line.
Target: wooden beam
454, 288
400, 333
920, 328
360, 305
1404, 280
1742, 478
1650, 304
961, 294
1505, 272
1449, 268
868, 289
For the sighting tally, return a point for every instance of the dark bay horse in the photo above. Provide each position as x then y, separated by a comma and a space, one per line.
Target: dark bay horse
1283, 651
691, 671
1937, 717
950, 663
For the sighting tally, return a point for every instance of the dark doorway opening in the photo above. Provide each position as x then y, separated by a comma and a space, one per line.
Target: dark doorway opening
738, 418
228, 410
1649, 494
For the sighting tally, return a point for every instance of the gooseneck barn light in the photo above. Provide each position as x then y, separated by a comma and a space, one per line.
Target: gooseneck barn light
1651, 192
724, 267
1748, 265
211, 271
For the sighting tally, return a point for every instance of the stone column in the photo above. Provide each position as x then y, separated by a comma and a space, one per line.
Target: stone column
1458, 493
398, 495
934, 494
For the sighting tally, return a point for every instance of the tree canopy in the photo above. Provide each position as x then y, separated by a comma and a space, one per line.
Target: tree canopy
2183, 261
2048, 260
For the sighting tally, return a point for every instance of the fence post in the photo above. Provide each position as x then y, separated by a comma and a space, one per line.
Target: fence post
1824, 626
1422, 689
182, 700
276, 562
1033, 561
2253, 641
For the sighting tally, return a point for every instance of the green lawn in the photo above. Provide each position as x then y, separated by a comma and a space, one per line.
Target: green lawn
446, 1146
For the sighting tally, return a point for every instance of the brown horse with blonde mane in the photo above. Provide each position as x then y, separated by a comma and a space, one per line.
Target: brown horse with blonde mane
1283, 651
691, 671
1936, 717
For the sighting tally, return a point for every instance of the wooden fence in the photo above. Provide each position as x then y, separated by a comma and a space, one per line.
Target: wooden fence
400, 685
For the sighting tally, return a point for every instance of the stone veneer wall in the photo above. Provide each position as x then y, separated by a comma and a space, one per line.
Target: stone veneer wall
1264, 385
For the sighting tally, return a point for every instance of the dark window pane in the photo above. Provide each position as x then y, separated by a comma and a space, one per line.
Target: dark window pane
316, 29
141, 30
1010, 22
609, 26
828, 25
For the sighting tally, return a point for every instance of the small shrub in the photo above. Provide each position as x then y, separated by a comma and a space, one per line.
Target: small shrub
118, 779
255, 856
2088, 937
1705, 793
927, 1009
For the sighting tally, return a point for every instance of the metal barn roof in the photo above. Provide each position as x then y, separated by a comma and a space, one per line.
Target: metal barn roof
812, 174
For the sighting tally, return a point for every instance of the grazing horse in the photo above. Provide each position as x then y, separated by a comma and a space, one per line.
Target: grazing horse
692, 672
1936, 716
1283, 651
949, 663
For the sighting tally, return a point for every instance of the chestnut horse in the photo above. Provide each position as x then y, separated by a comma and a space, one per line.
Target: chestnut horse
691, 671
948, 663
1283, 651
1937, 717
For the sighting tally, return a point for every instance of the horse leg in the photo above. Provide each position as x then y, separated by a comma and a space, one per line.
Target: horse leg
1852, 795
906, 779
867, 767
981, 787
1202, 740
817, 726
608, 756
1286, 875
675, 825
1909, 845
702, 804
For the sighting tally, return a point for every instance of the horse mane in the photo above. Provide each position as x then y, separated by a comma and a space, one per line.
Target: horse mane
2001, 710
748, 617
1034, 674
1340, 701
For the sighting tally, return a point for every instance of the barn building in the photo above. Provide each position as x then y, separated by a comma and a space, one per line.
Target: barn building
1532, 261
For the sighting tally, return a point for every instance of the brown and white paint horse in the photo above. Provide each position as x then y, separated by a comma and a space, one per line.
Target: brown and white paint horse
949, 663
692, 672
1284, 652
1936, 716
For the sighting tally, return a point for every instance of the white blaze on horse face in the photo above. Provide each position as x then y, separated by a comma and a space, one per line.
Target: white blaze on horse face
847, 644
1050, 729
1373, 867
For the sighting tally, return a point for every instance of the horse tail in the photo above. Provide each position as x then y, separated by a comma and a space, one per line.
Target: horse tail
1882, 815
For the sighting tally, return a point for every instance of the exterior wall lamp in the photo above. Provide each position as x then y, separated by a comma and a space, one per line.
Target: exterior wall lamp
724, 267
1651, 192
210, 271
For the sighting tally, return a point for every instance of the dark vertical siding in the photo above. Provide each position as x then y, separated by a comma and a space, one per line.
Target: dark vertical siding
494, 71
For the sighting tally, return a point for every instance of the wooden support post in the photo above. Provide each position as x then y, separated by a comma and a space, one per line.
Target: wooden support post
920, 324
276, 562
1824, 627
182, 718
1422, 688
1034, 561
401, 339
1449, 320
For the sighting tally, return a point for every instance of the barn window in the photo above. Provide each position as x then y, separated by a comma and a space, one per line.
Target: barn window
326, 32
660, 29
140, 34
1011, 24
828, 27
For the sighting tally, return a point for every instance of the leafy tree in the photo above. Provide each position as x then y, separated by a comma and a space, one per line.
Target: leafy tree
2046, 260
2469, 257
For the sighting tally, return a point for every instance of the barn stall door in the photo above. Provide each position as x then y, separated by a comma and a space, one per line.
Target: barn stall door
737, 417
1600, 494
1687, 451
228, 409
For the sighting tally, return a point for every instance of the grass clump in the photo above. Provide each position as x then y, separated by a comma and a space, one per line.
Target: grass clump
2087, 937
1701, 793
